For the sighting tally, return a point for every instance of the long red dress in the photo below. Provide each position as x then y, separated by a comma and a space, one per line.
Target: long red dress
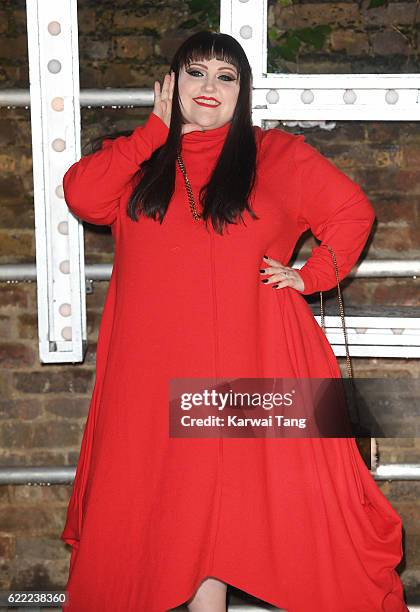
299, 523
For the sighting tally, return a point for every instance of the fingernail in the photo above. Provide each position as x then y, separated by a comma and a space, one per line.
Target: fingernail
262, 271
265, 257
264, 280
275, 286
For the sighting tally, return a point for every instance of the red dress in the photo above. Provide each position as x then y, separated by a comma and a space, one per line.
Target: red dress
299, 523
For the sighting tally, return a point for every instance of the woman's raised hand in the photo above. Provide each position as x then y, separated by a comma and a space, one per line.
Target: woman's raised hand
282, 275
163, 99
163, 103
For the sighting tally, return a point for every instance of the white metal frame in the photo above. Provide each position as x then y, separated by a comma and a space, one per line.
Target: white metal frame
55, 117
374, 336
351, 97
323, 97
55, 122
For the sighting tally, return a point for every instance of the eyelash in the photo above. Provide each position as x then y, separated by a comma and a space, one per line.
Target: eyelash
199, 71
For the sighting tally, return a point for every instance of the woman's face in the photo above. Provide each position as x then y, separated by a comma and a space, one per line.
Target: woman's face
208, 79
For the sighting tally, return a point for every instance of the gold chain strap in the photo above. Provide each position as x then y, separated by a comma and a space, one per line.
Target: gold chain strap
196, 215
343, 323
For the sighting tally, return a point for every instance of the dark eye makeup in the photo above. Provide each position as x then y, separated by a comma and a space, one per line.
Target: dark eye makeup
192, 70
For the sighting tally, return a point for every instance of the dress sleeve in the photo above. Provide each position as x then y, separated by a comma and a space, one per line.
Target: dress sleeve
93, 185
338, 213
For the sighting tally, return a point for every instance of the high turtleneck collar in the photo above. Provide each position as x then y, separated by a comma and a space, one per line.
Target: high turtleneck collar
211, 136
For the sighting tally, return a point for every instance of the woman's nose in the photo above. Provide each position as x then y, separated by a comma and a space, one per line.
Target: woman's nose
210, 85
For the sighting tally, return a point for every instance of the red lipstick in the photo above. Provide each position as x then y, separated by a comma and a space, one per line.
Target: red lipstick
201, 101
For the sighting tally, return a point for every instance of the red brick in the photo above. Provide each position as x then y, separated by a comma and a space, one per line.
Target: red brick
60, 433
393, 240
13, 48
12, 295
392, 131
27, 324
86, 19
7, 330
389, 43
133, 47
95, 49
313, 14
71, 380
90, 357
46, 457
18, 19
4, 25
396, 292
96, 299
396, 208
16, 434
396, 13
405, 490
351, 42
34, 519
17, 246
21, 409
67, 407
93, 322
409, 514
115, 74
13, 215
411, 156
387, 180
14, 355
361, 154
100, 242
357, 292
8, 129
144, 19
11, 188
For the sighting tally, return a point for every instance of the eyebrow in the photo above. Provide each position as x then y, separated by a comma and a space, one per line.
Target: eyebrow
204, 66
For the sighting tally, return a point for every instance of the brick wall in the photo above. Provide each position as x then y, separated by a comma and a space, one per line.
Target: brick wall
43, 407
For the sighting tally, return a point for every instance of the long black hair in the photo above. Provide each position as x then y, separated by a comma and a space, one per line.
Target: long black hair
226, 194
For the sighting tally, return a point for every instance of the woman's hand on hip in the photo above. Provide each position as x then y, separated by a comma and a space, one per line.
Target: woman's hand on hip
163, 103
283, 276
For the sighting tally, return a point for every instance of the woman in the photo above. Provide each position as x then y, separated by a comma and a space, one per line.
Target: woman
201, 288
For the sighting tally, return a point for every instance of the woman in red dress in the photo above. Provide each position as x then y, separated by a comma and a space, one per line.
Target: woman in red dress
205, 211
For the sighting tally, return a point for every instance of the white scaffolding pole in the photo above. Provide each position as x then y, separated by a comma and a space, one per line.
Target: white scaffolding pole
55, 123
